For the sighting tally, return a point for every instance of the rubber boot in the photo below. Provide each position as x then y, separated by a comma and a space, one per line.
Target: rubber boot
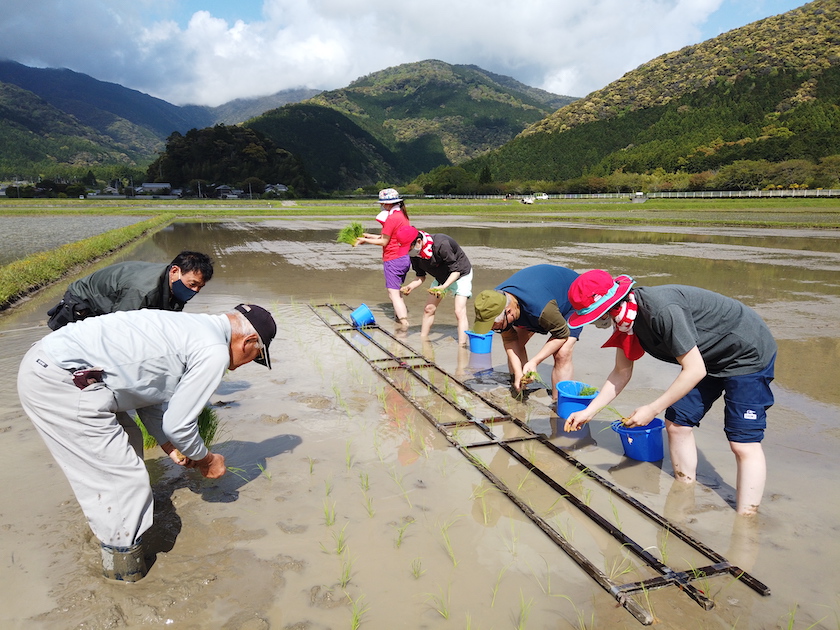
126, 564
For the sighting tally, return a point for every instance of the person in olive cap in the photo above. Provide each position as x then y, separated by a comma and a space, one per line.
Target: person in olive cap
533, 300
441, 257
77, 383
395, 262
132, 285
723, 348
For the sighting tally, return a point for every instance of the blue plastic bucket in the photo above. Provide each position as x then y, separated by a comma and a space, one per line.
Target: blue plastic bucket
642, 443
480, 344
362, 317
569, 399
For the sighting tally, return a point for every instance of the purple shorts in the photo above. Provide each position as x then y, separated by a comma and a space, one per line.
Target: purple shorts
395, 271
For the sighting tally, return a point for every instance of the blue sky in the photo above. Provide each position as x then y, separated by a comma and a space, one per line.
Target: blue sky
211, 51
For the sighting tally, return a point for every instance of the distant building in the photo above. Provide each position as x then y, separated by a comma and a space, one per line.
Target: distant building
154, 188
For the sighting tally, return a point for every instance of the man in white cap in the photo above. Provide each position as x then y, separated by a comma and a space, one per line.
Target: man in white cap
723, 347
76, 384
532, 301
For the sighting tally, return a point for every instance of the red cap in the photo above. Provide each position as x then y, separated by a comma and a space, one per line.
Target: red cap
594, 293
406, 235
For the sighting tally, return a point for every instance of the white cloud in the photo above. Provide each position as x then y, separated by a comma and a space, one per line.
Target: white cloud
573, 47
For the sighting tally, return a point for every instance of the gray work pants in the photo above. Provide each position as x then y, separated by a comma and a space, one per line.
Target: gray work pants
91, 443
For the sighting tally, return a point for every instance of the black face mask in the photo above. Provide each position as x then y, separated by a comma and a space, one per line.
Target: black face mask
182, 292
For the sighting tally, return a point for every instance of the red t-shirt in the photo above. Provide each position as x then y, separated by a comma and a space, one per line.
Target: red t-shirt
393, 223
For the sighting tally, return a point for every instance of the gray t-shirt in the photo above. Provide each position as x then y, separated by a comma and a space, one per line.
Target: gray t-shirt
731, 337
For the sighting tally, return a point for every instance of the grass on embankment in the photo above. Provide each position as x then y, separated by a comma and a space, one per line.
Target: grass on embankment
23, 276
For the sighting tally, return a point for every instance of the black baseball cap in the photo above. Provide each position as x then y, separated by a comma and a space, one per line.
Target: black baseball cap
266, 328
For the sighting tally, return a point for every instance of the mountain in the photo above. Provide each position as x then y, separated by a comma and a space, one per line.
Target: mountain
397, 123
241, 109
766, 91
52, 116
32, 131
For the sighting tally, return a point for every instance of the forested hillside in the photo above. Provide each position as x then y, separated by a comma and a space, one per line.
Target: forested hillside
769, 91
34, 132
394, 124
231, 155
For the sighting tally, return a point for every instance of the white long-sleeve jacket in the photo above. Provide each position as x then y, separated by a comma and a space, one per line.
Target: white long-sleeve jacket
164, 364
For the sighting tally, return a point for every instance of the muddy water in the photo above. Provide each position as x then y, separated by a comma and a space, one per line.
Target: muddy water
342, 498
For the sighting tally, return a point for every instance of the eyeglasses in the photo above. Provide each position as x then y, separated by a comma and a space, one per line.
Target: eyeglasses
506, 325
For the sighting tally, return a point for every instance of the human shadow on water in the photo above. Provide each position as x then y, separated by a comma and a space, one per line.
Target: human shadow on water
245, 462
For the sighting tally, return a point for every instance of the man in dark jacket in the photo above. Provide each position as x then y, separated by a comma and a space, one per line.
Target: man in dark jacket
132, 285
441, 257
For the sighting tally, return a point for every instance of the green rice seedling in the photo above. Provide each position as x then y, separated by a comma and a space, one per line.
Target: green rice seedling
346, 571
401, 532
340, 540
480, 495
496, 586
329, 513
524, 479
547, 587
616, 516
239, 472
648, 603
532, 377
369, 506
398, 479
620, 566
417, 568
440, 602
444, 530
358, 609
350, 233
348, 455
514, 539
364, 481
208, 427
580, 615
792, 619
328, 487
587, 390
663, 545
263, 471
524, 611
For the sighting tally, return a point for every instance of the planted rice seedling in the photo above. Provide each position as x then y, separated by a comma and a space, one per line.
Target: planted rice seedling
364, 481
398, 479
498, 582
340, 540
358, 609
440, 602
350, 233
369, 506
346, 572
524, 611
401, 531
444, 530
417, 568
329, 513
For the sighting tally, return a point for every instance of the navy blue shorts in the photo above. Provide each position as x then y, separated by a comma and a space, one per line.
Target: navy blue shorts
747, 398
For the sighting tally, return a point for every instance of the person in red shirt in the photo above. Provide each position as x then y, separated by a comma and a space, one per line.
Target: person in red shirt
395, 260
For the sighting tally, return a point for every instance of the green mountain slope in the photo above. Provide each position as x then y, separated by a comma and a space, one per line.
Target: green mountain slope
767, 91
33, 132
395, 124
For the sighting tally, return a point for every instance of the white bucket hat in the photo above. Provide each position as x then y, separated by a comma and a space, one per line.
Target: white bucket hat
389, 195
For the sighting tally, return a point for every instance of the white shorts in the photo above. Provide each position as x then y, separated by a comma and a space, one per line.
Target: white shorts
462, 286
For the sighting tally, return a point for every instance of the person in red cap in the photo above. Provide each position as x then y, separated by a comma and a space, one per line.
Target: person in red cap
395, 262
724, 349
440, 256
